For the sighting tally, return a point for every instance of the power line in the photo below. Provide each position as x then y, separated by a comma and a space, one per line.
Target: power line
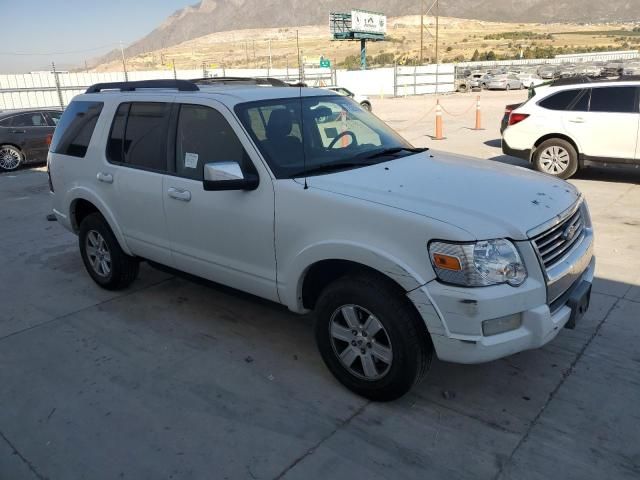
26, 54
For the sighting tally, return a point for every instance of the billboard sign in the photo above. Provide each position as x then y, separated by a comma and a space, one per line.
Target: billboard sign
368, 22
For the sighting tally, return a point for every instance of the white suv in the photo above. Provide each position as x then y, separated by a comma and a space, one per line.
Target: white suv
572, 123
400, 252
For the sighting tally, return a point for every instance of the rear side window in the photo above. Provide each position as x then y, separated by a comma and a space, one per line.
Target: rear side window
6, 122
614, 99
139, 135
561, 100
33, 119
205, 136
75, 128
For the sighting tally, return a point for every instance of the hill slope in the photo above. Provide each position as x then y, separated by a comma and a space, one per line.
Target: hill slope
210, 16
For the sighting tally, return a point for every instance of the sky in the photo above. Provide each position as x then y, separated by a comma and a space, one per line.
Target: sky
89, 28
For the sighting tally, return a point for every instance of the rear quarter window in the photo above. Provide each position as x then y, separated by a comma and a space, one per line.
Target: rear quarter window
75, 128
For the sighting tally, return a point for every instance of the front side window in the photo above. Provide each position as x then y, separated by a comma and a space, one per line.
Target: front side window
139, 135
205, 136
298, 135
614, 100
75, 128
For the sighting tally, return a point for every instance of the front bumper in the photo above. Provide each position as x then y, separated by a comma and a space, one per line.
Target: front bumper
454, 317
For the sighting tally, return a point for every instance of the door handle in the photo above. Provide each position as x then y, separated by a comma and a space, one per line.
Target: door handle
177, 194
17, 131
104, 177
577, 120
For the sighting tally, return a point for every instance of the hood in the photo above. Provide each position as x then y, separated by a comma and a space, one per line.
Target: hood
487, 199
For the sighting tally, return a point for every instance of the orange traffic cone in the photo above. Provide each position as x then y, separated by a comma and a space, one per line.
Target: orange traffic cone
438, 122
478, 115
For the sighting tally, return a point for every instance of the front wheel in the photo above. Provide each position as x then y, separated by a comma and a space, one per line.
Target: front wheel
556, 157
508, 87
370, 337
102, 255
366, 106
10, 158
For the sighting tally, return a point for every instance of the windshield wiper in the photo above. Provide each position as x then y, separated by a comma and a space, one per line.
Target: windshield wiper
332, 167
392, 151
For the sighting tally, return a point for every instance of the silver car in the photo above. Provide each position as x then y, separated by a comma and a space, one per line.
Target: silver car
505, 82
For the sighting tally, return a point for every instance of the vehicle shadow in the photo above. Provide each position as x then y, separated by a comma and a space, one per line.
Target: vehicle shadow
610, 173
497, 143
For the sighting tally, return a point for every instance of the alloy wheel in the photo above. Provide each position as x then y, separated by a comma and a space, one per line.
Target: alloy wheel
554, 160
9, 158
360, 342
98, 253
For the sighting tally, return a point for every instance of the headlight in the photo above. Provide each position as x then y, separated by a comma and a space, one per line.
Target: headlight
479, 264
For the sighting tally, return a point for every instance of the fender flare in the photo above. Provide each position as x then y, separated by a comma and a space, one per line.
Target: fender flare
292, 277
83, 193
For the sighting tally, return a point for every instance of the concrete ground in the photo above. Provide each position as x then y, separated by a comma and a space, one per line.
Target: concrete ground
178, 379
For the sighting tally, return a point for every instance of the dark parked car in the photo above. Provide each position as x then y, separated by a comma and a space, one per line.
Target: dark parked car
25, 136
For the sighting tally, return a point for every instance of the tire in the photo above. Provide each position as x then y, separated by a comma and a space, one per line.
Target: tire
556, 157
508, 87
366, 106
400, 352
103, 257
10, 158
463, 88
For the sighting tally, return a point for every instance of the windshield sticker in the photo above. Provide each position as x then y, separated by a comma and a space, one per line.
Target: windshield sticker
190, 160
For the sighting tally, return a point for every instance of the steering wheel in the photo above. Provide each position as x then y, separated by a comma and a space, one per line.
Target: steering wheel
354, 140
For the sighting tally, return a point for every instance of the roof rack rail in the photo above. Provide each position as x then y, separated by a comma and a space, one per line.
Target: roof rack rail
274, 82
180, 85
586, 79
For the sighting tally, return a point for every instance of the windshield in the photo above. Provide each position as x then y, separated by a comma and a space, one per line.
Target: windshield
309, 134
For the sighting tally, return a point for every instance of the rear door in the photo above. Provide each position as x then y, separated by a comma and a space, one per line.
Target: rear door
30, 132
131, 176
609, 129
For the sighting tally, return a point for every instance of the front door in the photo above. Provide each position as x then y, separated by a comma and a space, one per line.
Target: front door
224, 236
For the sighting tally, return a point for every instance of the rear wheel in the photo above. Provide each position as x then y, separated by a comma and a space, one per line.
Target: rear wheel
103, 258
508, 87
10, 158
556, 157
370, 338
366, 106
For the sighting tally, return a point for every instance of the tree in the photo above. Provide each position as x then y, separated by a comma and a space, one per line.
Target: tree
476, 56
491, 55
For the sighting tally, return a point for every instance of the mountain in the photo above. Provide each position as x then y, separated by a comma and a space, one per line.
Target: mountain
210, 16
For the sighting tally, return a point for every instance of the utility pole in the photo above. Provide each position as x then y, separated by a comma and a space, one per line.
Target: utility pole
246, 53
124, 63
270, 59
255, 62
299, 59
421, 31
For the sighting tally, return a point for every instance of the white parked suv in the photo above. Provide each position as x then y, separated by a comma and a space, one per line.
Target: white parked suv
400, 252
572, 123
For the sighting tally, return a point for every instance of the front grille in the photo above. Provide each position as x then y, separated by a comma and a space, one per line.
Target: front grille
553, 245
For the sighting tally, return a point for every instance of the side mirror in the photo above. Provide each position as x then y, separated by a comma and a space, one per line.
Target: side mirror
220, 176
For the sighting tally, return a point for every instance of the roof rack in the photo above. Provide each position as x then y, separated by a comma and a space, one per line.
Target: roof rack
274, 82
586, 79
180, 85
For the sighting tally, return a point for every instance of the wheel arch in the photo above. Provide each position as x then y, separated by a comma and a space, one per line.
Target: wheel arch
316, 266
551, 136
84, 204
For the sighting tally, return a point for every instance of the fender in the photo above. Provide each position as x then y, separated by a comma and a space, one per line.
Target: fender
291, 277
82, 193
